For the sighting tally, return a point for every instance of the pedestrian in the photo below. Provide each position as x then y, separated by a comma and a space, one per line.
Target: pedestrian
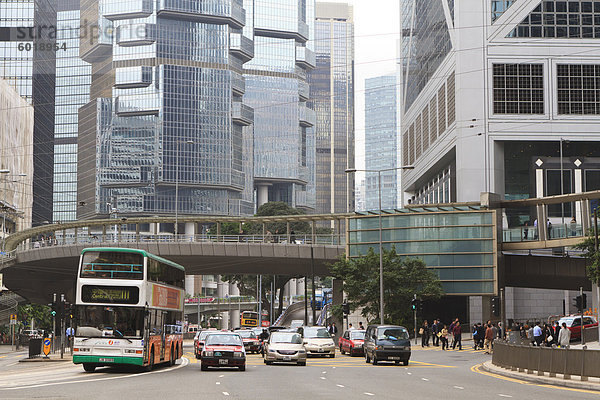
293, 237
535, 232
451, 330
350, 327
268, 237
489, 339
556, 332
457, 335
334, 331
538, 334
276, 237
444, 337
525, 231
424, 331
564, 337
435, 331
548, 335
573, 226
549, 228
360, 326
481, 335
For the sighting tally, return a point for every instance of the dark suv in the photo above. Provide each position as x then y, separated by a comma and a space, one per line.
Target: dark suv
387, 343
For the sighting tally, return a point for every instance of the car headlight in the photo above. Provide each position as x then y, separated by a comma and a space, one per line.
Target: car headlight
237, 353
272, 351
207, 353
301, 351
331, 343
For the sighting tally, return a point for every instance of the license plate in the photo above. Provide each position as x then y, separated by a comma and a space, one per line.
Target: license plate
223, 361
217, 354
287, 358
393, 358
321, 350
106, 360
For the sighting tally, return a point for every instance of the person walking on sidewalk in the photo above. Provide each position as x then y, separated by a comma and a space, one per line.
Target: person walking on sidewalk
564, 336
489, 339
424, 334
538, 334
444, 337
457, 333
435, 330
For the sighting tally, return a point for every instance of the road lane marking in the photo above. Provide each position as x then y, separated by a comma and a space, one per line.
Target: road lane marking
217, 383
425, 379
409, 373
324, 372
323, 377
221, 376
225, 393
369, 394
504, 395
340, 386
459, 387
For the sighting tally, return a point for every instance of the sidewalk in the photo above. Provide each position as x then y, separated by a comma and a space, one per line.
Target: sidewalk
67, 357
575, 382
7, 348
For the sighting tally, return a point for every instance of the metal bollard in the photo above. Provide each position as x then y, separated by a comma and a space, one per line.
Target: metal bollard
583, 376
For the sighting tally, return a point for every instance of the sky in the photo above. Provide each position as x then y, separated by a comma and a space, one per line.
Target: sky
376, 31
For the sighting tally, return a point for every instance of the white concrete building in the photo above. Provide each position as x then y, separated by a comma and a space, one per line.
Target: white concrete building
16, 161
499, 96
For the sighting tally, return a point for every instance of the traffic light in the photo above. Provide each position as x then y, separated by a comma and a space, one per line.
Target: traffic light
346, 308
580, 302
420, 307
583, 301
496, 306
414, 304
52, 308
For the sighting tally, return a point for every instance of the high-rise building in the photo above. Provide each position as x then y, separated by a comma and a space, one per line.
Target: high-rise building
277, 88
166, 130
73, 77
332, 97
380, 141
16, 161
492, 91
27, 63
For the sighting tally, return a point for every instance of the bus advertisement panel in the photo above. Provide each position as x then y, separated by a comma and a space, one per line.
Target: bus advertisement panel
129, 309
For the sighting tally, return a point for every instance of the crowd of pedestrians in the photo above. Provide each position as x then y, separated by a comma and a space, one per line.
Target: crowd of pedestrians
450, 336
547, 335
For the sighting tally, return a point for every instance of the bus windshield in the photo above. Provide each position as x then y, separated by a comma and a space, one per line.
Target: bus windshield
102, 321
112, 264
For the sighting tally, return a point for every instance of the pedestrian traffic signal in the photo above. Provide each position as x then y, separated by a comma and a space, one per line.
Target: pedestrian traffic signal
583, 301
420, 307
414, 304
346, 308
496, 306
580, 302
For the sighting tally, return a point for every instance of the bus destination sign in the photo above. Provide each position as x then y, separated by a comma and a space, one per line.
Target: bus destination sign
110, 294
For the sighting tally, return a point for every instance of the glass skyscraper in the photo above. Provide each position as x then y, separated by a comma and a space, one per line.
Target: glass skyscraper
27, 63
332, 96
73, 77
166, 109
381, 141
277, 89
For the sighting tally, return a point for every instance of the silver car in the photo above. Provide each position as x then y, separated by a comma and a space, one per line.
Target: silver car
285, 347
318, 342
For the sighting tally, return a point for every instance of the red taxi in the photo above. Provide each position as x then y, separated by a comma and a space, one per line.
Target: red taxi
223, 349
351, 342
574, 324
199, 341
251, 341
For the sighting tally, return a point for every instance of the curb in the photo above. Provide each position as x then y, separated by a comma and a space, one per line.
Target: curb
489, 367
44, 359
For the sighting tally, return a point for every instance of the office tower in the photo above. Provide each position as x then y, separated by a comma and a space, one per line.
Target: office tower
278, 90
16, 160
73, 76
166, 131
27, 63
332, 97
381, 135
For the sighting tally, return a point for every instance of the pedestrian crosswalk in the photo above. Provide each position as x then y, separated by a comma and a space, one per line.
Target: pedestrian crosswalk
433, 348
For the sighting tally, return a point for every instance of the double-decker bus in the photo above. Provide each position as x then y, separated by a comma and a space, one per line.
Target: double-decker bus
129, 309
249, 319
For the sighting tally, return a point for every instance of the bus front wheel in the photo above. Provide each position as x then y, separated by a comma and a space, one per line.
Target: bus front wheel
89, 367
172, 360
150, 365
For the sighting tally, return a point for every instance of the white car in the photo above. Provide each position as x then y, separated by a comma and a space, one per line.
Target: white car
318, 341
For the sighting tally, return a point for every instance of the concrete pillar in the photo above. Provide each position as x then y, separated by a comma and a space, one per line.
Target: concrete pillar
222, 292
293, 287
300, 287
262, 193
235, 307
190, 231
578, 189
539, 183
189, 284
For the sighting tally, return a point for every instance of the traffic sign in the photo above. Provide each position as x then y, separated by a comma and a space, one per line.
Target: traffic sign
13, 319
47, 344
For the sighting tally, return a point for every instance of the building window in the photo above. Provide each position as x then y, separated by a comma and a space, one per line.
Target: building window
518, 88
578, 89
561, 19
499, 7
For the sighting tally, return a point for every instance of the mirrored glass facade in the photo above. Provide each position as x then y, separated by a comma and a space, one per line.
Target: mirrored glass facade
381, 135
332, 97
173, 124
459, 246
27, 62
276, 87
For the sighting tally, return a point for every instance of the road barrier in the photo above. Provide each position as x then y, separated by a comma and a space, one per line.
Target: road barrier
540, 360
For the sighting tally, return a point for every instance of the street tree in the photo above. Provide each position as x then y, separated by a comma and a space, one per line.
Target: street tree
403, 278
39, 312
591, 252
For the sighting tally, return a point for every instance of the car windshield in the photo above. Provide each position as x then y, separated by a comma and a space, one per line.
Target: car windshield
203, 335
284, 337
316, 333
357, 335
392, 334
223, 340
102, 321
246, 334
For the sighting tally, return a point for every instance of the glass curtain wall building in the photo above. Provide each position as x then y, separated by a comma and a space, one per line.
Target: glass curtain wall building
27, 63
278, 90
166, 109
73, 77
381, 141
332, 97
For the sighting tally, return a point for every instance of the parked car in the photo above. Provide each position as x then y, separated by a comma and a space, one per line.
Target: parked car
317, 341
351, 342
223, 349
285, 347
387, 343
251, 341
574, 324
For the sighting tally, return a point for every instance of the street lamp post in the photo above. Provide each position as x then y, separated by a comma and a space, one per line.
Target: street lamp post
177, 185
348, 171
4, 172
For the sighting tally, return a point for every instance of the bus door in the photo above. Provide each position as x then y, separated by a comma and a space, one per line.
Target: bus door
163, 336
147, 335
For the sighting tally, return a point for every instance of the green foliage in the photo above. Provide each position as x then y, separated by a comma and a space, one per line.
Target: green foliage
403, 278
39, 312
593, 256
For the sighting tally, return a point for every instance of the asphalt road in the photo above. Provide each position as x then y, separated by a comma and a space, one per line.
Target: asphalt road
431, 374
